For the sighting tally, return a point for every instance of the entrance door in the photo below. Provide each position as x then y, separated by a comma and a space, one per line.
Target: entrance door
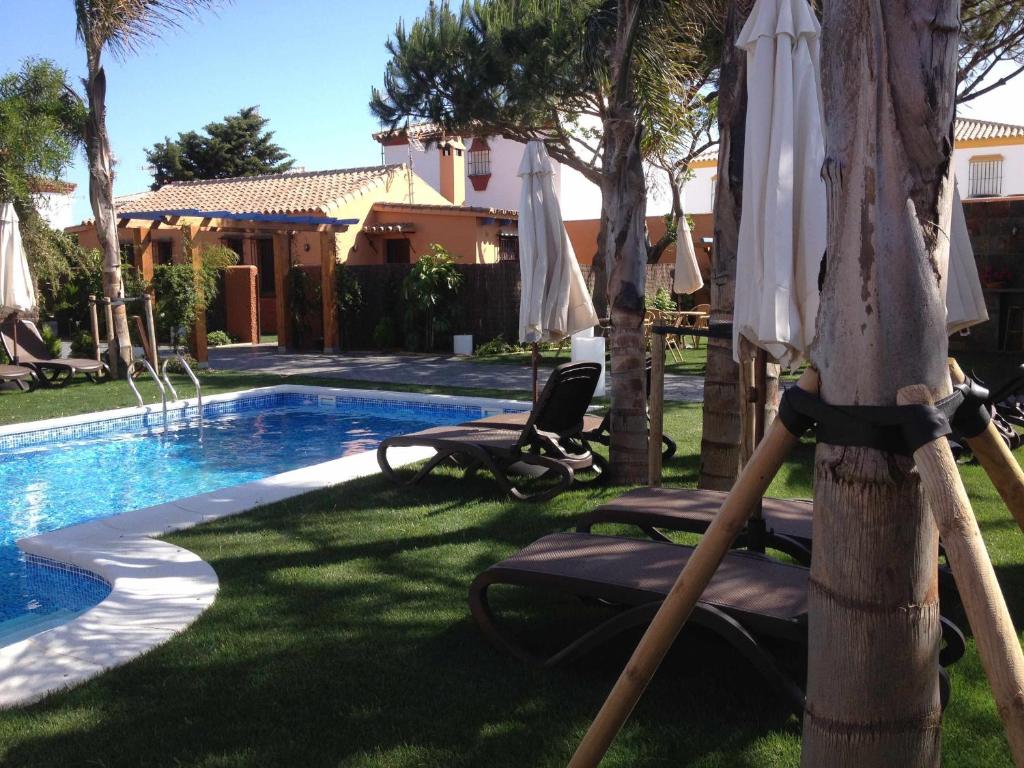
266, 285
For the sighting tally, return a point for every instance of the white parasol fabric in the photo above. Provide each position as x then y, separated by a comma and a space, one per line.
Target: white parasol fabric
687, 278
783, 227
17, 292
554, 301
965, 303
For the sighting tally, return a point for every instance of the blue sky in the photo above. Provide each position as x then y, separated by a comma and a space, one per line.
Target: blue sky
308, 64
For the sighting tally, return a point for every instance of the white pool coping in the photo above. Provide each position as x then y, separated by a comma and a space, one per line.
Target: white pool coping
158, 589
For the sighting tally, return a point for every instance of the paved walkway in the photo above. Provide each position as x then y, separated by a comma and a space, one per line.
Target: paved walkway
434, 370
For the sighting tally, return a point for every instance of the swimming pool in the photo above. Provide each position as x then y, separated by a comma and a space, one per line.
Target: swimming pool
59, 475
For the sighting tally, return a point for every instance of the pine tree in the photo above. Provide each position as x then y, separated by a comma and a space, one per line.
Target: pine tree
236, 146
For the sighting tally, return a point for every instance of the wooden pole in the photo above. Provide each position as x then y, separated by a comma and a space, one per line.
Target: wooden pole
996, 459
113, 357
147, 303
656, 410
750, 486
328, 268
95, 324
980, 594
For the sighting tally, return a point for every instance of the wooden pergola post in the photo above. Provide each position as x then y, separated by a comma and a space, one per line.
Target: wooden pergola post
328, 266
142, 240
199, 347
282, 263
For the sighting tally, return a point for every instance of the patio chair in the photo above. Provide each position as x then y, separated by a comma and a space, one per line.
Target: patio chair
700, 323
596, 429
23, 377
32, 353
652, 510
551, 439
751, 598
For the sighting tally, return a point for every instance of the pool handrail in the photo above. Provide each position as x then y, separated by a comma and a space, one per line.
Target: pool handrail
153, 375
188, 372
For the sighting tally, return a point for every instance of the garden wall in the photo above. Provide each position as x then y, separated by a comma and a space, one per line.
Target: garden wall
487, 303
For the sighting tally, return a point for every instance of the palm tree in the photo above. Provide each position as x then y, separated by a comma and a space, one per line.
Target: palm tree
889, 82
118, 26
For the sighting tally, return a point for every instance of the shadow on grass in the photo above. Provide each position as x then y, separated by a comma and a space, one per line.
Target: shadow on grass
341, 636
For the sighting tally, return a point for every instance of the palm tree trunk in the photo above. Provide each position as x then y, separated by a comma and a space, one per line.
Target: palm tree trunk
889, 74
101, 197
624, 204
721, 435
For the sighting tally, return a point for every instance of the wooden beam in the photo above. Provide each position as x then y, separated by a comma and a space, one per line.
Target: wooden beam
282, 263
328, 266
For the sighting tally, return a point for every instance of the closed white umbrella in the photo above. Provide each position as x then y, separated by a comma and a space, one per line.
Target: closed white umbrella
782, 229
17, 292
687, 277
965, 303
554, 301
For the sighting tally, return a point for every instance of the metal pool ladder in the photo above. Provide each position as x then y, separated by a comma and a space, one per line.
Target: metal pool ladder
188, 372
152, 375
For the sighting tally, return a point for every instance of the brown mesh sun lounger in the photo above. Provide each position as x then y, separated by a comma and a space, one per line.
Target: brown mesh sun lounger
596, 429
551, 439
32, 353
788, 521
751, 598
19, 374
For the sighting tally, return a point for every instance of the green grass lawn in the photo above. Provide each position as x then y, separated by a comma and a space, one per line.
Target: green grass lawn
341, 636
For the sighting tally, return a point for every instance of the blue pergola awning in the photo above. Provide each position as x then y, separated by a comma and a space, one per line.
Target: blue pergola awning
263, 218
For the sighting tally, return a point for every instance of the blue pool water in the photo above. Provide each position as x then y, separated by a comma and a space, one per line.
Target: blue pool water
54, 485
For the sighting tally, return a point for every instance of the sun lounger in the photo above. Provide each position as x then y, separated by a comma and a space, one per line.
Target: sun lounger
752, 598
596, 429
788, 521
551, 439
32, 353
19, 374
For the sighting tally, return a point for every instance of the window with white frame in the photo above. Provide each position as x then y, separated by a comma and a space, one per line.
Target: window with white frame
986, 176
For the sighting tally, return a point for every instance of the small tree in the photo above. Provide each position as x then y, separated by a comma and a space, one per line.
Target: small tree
429, 289
238, 145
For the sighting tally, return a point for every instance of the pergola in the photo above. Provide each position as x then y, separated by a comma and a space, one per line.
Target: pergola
278, 226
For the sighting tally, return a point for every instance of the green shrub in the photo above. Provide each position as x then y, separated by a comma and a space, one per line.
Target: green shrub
82, 345
174, 365
496, 346
662, 301
218, 339
430, 289
385, 336
51, 340
348, 299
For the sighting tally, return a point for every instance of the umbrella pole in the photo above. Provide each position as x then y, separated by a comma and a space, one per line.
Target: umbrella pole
754, 479
535, 358
14, 325
994, 633
656, 410
997, 461
757, 533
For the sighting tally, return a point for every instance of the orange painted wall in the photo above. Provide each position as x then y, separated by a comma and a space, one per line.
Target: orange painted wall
463, 235
583, 236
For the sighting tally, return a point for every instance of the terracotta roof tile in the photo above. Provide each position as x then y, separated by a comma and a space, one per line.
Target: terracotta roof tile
967, 129
281, 193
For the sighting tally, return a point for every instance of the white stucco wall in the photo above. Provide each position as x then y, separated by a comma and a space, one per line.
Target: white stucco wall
56, 208
1013, 167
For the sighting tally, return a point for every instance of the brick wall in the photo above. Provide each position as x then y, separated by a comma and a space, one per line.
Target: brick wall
487, 303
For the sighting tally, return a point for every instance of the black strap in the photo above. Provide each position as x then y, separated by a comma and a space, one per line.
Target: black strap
899, 429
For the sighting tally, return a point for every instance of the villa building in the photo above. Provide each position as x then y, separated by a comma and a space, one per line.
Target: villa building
379, 215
